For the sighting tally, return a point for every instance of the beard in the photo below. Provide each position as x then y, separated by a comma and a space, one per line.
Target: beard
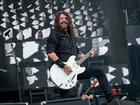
64, 25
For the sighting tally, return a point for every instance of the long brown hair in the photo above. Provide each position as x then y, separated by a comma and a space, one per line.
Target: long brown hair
70, 26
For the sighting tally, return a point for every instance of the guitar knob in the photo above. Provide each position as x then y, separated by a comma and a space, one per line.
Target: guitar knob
66, 85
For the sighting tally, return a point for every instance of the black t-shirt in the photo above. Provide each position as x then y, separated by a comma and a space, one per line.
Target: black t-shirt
62, 44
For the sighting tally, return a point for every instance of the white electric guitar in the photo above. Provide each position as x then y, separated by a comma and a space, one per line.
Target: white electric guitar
64, 81
61, 79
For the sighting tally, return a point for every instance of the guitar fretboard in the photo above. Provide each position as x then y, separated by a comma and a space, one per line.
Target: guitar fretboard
83, 59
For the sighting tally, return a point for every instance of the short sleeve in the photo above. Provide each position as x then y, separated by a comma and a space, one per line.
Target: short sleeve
52, 41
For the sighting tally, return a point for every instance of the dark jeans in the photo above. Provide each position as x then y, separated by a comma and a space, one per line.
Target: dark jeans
100, 75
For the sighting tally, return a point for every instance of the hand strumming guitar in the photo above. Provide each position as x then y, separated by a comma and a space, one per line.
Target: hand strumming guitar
67, 69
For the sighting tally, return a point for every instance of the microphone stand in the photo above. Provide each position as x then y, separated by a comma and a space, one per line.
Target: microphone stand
18, 72
18, 69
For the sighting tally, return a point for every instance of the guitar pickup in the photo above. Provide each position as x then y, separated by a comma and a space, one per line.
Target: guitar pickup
73, 77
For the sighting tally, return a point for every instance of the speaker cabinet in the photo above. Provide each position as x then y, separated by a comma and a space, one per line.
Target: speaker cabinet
69, 101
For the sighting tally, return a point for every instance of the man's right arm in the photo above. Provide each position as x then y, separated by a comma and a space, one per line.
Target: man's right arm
55, 59
53, 56
51, 45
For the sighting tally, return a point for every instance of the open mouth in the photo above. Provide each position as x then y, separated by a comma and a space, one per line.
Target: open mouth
64, 23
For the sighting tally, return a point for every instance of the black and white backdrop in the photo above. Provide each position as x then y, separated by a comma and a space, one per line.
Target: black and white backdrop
26, 25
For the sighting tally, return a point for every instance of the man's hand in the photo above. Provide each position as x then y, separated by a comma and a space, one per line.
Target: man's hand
92, 53
87, 97
67, 69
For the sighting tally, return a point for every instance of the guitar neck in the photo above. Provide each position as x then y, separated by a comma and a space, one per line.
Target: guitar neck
86, 92
83, 58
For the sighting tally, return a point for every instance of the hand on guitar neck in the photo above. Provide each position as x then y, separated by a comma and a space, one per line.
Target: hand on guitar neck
92, 52
67, 68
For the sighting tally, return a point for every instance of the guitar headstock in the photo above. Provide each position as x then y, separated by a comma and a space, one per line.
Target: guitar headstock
94, 83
